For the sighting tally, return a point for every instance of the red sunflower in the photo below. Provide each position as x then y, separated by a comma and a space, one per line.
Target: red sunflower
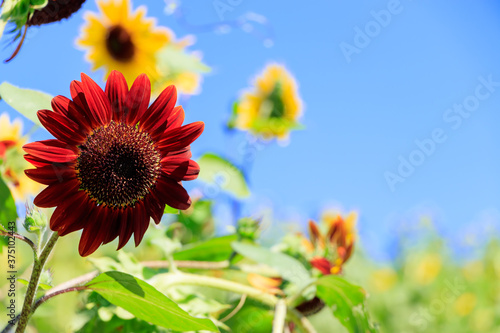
115, 162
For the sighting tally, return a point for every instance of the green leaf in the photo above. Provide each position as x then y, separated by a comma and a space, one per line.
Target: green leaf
289, 268
215, 249
170, 210
348, 302
8, 211
25, 101
252, 318
223, 174
145, 302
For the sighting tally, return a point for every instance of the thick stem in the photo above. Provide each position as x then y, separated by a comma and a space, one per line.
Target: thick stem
33, 284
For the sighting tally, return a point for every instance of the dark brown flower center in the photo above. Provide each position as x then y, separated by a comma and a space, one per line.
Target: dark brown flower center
119, 43
55, 10
117, 165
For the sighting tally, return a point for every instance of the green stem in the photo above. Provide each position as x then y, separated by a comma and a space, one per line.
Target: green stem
173, 279
33, 284
301, 321
294, 298
279, 317
222, 284
23, 238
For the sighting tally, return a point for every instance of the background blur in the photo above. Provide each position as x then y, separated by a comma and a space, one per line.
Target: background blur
368, 100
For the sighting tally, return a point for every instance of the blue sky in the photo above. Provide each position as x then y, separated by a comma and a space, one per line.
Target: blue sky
364, 112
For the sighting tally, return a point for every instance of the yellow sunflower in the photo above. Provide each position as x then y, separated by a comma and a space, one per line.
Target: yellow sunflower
272, 108
122, 40
119, 39
13, 163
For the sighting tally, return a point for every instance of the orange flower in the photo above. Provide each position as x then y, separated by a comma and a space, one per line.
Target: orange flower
332, 250
266, 284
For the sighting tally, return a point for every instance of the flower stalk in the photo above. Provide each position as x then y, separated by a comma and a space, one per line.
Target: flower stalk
33, 284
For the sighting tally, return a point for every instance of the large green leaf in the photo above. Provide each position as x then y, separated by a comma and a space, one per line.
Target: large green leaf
8, 212
289, 268
25, 101
223, 174
347, 301
145, 302
215, 249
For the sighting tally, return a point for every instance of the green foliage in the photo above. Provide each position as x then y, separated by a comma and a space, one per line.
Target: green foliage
8, 212
347, 301
221, 173
25, 101
170, 210
145, 302
197, 222
215, 249
18, 12
102, 316
248, 229
252, 318
289, 268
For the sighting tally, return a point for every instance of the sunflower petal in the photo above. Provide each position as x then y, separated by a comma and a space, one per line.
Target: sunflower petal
50, 174
156, 117
61, 127
55, 193
97, 100
180, 169
51, 150
172, 193
116, 90
137, 100
181, 137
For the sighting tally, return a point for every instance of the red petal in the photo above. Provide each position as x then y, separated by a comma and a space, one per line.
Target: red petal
52, 150
38, 162
184, 153
60, 105
80, 102
179, 168
154, 208
127, 228
50, 174
322, 265
61, 127
115, 225
158, 113
176, 118
181, 137
76, 215
116, 90
68, 212
97, 100
67, 108
137, 100
91, 236
140, 221
172, 193
56, 193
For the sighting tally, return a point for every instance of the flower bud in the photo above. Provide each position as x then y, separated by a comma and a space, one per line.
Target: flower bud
35, 221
